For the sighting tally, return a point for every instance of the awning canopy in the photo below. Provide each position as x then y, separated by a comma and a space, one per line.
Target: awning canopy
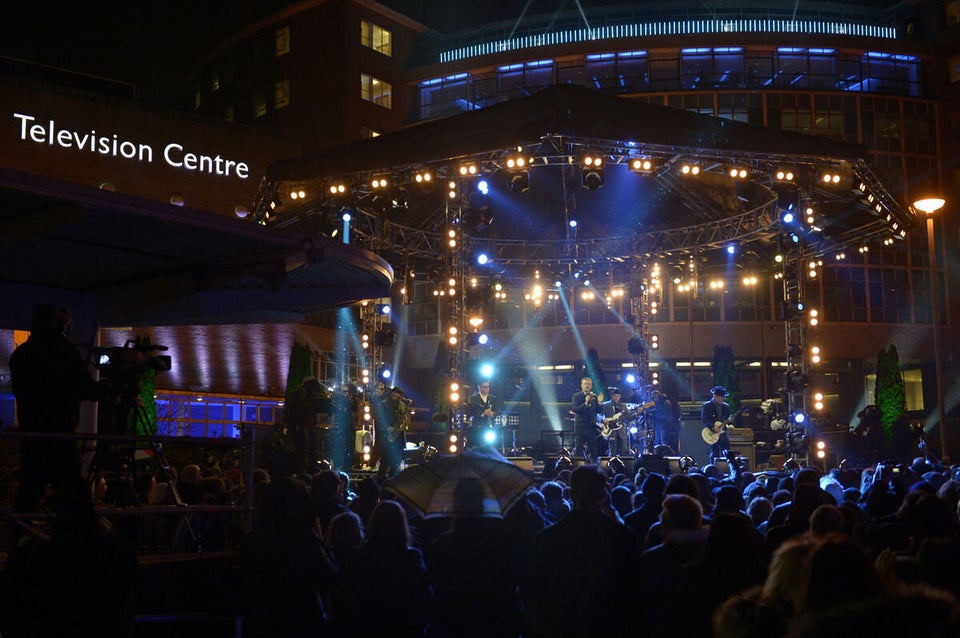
132, 262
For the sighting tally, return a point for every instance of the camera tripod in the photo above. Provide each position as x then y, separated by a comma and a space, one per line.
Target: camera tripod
116, 458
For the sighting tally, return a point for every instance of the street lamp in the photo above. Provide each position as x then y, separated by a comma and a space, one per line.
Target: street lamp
931, 205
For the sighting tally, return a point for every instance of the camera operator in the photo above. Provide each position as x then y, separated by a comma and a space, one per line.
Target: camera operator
49, 379
305, 403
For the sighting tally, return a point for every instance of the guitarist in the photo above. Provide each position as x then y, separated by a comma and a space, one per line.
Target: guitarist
715, 415
389, 446
614, 414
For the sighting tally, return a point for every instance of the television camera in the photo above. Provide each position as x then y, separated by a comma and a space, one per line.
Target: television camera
125, 367
135, 357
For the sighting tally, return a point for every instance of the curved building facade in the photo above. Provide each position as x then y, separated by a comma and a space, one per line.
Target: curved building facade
882, 75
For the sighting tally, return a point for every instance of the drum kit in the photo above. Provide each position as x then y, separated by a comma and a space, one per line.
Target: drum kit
640, 427
638, 420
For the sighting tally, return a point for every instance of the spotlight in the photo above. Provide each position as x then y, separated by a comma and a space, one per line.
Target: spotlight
384, 309
591, 171
792, 309
738, 172
483, 259
784, 175
385, 373
788, 217
338, 190
516, 163
519, 182
423, 179
830, 179
483, 187
490, 436
400, 198
467, 170
731, 249
654, 342
642, 165
690, 169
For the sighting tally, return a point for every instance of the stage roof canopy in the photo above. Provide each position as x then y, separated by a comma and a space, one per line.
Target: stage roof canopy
657, 209
131, 262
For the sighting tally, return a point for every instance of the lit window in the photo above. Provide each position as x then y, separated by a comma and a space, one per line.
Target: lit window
282, 43
375, 37
259, 104
376, 90
366, 132
281, 94
954, 64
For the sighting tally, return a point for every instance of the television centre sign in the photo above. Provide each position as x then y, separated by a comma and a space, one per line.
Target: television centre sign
173, 154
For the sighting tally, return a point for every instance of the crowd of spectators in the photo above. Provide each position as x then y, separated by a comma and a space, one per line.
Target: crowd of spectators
804, 553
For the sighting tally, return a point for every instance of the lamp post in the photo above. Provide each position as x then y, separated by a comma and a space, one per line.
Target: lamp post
931, 205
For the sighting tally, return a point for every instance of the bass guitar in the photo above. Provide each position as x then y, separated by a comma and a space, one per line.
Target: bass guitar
609, 425
711, 435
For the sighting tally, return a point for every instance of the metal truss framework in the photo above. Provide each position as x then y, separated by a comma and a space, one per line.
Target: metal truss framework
442, 240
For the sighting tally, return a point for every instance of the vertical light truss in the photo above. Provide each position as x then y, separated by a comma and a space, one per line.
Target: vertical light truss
793, 309
453, 270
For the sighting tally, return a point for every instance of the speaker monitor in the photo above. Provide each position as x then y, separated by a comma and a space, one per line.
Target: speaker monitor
628, 464
523, 462
692, 444
658, 464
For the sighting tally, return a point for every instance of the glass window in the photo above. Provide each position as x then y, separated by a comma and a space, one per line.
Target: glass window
793, 70
696, 68
759, 72
376, 90
520, 80
601, 71
281, 94
823, 70
892, 73
282, 41
728, 67
571, 73
632, 71
375, 37
732, 106
849, 77
259, 104
953, 65
664, 72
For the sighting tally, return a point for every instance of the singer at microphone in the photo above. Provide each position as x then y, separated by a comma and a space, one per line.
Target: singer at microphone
585, 408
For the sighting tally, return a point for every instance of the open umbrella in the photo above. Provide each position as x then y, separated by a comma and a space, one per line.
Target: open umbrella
464, 485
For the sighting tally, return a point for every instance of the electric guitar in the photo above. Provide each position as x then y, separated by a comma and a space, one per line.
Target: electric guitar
609, 425
711, 435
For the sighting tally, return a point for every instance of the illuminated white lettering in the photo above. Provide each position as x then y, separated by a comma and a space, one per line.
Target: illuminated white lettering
175, 156
113, 145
